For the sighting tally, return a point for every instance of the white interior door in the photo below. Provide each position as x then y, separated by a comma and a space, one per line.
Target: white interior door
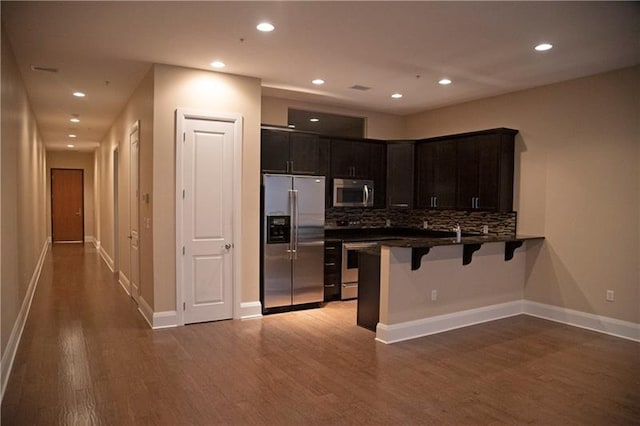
134, 219
207, 220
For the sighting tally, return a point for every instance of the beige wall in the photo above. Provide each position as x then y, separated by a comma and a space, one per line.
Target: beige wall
577, 183
378, 125
23, 193
405, 295
216, 92
74, 160
138, 108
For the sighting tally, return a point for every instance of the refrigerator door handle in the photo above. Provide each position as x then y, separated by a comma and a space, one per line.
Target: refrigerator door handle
297, 224
292, 226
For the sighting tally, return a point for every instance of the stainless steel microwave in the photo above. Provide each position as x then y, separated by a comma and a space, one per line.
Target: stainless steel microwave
352, 193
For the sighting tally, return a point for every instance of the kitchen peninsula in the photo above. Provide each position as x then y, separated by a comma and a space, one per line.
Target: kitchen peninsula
412, 287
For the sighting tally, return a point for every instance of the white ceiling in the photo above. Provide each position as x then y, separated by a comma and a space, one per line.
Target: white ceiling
485, 48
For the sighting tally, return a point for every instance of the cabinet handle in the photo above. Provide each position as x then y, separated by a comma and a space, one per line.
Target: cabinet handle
330, 264
330, 285
330, 248
435, 201
477, 202
291, 166
400, 205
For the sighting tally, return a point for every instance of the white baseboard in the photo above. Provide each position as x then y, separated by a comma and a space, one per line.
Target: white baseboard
250, 310
146, 311
165, 319
157, 320
124, 282
9, 353
606, 325
424, 327
107, 259
413, 329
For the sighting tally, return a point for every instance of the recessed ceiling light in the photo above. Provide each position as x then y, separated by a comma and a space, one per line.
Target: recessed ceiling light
79, 94
218, 64
396, 95
265, 27
72, 135
74, 120
318, 81
70, 145
315, 120
291, 126
444, 81
543, 46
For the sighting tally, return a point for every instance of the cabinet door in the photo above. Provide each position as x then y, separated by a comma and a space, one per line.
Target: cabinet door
361, 159
436, 165
304, 153
341, 159
444, 174
467, 173
274, 151
488, 172
378, 173
424, 186
400, 175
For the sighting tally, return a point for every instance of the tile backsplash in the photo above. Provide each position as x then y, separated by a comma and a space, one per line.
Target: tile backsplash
503, 224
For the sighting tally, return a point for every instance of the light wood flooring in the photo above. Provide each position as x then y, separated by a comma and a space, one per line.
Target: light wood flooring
88, 357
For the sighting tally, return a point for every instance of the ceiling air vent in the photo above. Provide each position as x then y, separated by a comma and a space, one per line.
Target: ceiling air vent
359, 87
43, 69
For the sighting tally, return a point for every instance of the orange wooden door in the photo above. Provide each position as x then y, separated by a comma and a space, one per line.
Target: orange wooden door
67, 211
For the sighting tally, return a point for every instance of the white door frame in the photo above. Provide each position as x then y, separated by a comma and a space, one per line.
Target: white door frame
134, 169
183, 114
116, 208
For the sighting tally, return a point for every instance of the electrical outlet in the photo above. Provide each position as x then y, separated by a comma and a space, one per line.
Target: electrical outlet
425, 225
610, 296
485, 229
434, 295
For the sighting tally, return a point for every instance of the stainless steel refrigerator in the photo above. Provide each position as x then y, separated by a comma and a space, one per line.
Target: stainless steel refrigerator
292, 240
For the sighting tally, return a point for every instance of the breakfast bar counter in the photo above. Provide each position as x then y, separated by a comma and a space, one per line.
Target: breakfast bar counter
420, 286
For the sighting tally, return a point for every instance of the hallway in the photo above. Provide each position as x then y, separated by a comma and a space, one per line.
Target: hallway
88, 357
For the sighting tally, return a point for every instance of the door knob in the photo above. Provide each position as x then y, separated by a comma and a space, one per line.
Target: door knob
227, 246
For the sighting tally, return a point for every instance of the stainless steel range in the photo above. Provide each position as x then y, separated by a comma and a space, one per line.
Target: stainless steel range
349, 288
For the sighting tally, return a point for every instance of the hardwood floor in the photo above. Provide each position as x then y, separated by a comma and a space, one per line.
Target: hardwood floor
87, 357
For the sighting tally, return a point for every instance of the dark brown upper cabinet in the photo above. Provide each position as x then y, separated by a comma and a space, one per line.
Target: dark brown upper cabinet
470, 171
350, 159
291, 152
436, 165
400, 160
485, 171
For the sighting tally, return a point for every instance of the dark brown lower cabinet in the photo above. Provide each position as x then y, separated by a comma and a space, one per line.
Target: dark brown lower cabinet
332, 268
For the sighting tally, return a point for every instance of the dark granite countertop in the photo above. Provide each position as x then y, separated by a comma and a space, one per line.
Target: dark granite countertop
448, 241
408, 237
381, 234
420, 246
